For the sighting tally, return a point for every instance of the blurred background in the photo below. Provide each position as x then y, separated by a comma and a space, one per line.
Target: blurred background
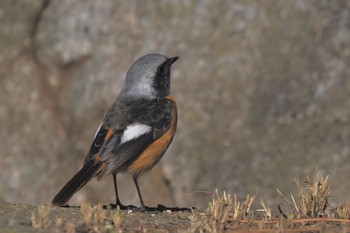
263, 91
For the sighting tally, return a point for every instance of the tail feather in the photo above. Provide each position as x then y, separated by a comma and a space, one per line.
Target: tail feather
84, 175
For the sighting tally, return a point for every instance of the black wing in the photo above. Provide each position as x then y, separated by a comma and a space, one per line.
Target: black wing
97, 142
116, 154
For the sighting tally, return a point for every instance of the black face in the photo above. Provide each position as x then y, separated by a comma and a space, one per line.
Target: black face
162, 78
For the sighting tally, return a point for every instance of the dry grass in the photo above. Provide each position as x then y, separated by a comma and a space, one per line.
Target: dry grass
40, 219
222, 207
308, 211
312, 198
266, 210
70, 227
116, 217
96, 219
221, 212
93, 216
341, 212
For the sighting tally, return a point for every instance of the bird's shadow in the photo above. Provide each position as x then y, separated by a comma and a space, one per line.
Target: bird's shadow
159, 208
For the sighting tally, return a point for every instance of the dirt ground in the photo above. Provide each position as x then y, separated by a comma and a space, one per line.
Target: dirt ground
28, 218
42, 218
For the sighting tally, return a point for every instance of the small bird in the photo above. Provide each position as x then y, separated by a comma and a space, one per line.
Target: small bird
136, 130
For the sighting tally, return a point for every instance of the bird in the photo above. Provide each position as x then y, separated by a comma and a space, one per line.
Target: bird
136, 130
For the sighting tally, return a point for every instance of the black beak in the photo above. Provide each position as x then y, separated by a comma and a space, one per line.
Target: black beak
172, 60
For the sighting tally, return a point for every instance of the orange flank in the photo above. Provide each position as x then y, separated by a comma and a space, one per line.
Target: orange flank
101, 167
109, 133
154, 152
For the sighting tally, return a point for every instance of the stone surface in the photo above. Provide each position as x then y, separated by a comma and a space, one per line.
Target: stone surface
262, 88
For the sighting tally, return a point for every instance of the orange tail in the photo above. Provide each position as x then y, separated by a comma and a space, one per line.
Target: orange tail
84, 175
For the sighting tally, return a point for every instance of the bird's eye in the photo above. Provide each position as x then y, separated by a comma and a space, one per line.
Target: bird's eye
161, 74
161, 70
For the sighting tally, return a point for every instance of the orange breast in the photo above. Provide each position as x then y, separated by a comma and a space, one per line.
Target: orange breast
154, 152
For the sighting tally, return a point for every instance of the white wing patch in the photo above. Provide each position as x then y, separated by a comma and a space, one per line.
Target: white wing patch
134, 131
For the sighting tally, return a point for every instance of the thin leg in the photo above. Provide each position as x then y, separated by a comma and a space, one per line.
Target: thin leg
117, 200
143, 207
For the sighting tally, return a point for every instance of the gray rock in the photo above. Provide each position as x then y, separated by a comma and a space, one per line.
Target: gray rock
262, 89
